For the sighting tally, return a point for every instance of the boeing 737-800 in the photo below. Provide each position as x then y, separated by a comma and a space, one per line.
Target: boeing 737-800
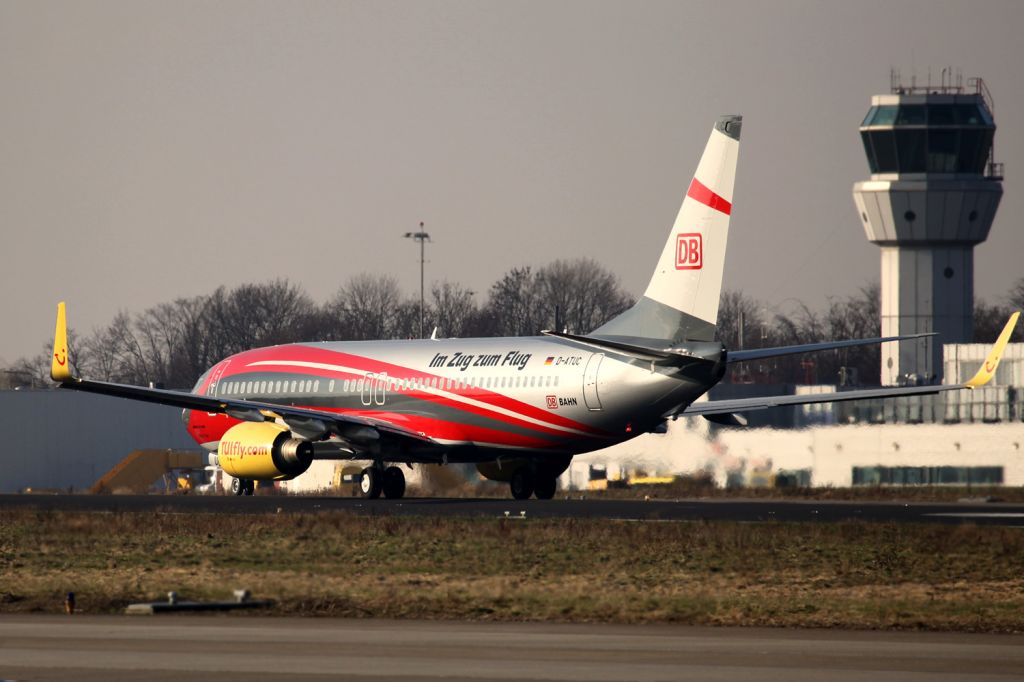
519, 408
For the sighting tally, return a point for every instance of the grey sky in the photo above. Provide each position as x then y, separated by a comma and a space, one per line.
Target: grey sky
158, 150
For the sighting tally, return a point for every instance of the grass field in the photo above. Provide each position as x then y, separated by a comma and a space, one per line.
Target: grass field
851, 575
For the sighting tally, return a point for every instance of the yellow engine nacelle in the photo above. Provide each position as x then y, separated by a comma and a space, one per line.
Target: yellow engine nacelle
263, 451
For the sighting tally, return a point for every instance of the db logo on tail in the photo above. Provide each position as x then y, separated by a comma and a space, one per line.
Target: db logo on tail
689, 252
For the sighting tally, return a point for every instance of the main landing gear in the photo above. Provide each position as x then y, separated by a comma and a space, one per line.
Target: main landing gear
525, 483
376, 479
243, 486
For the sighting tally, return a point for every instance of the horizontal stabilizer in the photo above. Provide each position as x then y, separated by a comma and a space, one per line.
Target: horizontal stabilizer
761, 353
728, 407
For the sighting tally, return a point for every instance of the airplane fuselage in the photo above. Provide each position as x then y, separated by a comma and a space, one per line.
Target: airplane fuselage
474, 398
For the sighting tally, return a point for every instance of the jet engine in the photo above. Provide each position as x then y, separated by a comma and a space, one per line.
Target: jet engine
263, 451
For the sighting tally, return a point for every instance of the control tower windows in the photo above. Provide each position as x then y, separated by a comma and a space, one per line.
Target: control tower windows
912, 115
884, 143
942, 146
911, 146
880, 116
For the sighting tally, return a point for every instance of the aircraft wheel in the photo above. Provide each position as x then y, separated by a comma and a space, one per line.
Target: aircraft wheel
522, 484
237, 487
370, 483
545, 487
250, 486
394, 483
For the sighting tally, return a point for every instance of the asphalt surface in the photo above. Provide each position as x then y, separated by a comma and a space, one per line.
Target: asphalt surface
112, 648
667, 510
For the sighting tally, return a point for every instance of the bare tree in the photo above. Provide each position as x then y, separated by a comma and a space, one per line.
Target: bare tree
585, 294
989, 321
513, 306
367, 307
735, 310
452, 308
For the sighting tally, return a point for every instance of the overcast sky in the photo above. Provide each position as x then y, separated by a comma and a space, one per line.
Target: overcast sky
155, 150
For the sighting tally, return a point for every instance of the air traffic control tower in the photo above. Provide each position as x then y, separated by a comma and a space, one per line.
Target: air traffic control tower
932, 196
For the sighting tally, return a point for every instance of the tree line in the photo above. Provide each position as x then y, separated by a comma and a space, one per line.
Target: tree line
171, 344
746, 322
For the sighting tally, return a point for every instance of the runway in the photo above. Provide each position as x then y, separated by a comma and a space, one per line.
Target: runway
667, 510
111, 648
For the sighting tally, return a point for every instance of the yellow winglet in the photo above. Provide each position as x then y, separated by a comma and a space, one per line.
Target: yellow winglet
988, 370
60, 366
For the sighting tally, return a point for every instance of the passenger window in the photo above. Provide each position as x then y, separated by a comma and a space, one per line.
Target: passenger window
330, 386
556, 381
316, 386
295, 386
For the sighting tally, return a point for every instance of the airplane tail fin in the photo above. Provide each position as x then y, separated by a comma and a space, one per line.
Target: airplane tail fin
681, 301
60, 364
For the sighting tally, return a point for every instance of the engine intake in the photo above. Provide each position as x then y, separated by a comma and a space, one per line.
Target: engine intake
263, 451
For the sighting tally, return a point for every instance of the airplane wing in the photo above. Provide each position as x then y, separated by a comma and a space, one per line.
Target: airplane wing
760, 353
246, 410
981, 377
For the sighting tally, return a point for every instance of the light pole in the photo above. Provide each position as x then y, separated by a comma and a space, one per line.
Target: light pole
421, 237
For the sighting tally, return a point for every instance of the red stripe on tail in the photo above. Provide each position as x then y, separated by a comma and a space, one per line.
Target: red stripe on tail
705, 196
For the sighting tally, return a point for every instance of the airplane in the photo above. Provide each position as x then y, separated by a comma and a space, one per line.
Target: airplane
519, 408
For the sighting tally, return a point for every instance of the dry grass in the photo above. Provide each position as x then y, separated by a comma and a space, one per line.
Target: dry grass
830, 575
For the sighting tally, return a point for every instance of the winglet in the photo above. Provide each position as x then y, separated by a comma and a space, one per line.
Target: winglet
60, 366
988, 370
